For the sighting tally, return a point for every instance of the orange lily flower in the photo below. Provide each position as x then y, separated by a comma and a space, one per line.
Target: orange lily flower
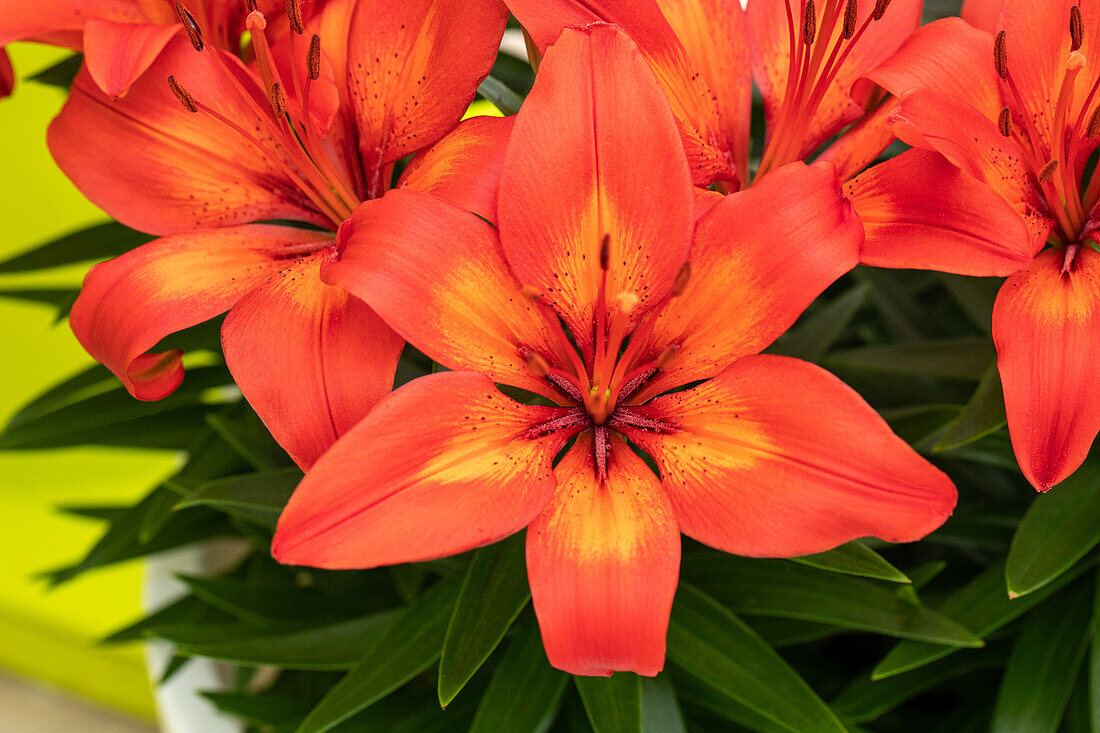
307, 134
583, 294
120, 39
1015, 114
7, 74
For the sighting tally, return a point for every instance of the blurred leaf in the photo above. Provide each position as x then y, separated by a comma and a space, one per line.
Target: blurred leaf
407, 648
525, 692
250, 439
1061, 526
854, 558
982, 605
257, 496
954, 358
975, 295
259, 710
778, 588
500, 95
1044, 663
98, 242
716, 647
866, 699
613, 704
185, 610
60, 74
61, 299
812, 337
1093, 669
175, 664
983, 414
921, 424
333, 646
893, 296
697, 692
494, 593
157, 515
660, 709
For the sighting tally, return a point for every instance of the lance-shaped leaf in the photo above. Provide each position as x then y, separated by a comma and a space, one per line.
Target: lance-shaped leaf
407, 648
500, 95
974, 296
966, 357
983, 414
1044, 663
982, 605
812, 337
1059, 528
713, 645
778, 588
854, 558
525, 691
257, 497
94, 243
613, 704
250, 439
660, 709
493, 595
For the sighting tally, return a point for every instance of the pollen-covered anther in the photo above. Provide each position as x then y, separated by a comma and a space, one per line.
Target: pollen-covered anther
605, 252
626, 303
182, 95
294, 13
1076, 28
1000, 55
1004, 122
679, 285
313, 57
668, 357
277, 98
194, 33
1047, 171
809, 23
880, 9
851, 16
531, 293
537, 365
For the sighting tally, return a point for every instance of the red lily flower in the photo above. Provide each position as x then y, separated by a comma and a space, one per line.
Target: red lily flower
806, 57
584, 296
120, 39
298, 138
1014, 114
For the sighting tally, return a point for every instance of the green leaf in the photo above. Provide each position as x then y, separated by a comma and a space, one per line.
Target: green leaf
613, 704
812, 337
525, 692
921, 424
333, 646
407, 648
715, 646
954, 358
983, 414
157, 515
780, 588
500, 95
702, 695
188, 609
866, 699
660, 708
781, 632
258, 497
975, 295
1061, 526
60, 74
251, 440
98, 242
494, 593
1093, 670
1044, 663
61, 299
982, 605
854, 558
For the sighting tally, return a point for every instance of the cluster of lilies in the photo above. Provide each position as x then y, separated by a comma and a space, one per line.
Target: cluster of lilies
610, 252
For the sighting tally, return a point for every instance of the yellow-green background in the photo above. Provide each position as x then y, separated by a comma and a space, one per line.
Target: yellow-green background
50, 634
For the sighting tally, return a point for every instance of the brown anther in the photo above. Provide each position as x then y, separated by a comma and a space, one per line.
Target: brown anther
277, 98
809, 23
851, 17
1000, 55
1004, 122
537, 365
605, 252
182, 95
1093, 129
679, 285
313, 58
294, 13
1047, 171
531, 292
194, 33
1076, 28
880, 9
668, 357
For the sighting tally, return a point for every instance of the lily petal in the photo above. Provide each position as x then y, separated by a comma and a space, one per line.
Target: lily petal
861, 143
161, 169
21, 20
775, 457
982, 14
595, 153
464, 167
921, 212
310, 359
413, 69
603, 561
1046, 326
130, 303
436, 274
439, 467
7, 74
116, 54
753, 275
